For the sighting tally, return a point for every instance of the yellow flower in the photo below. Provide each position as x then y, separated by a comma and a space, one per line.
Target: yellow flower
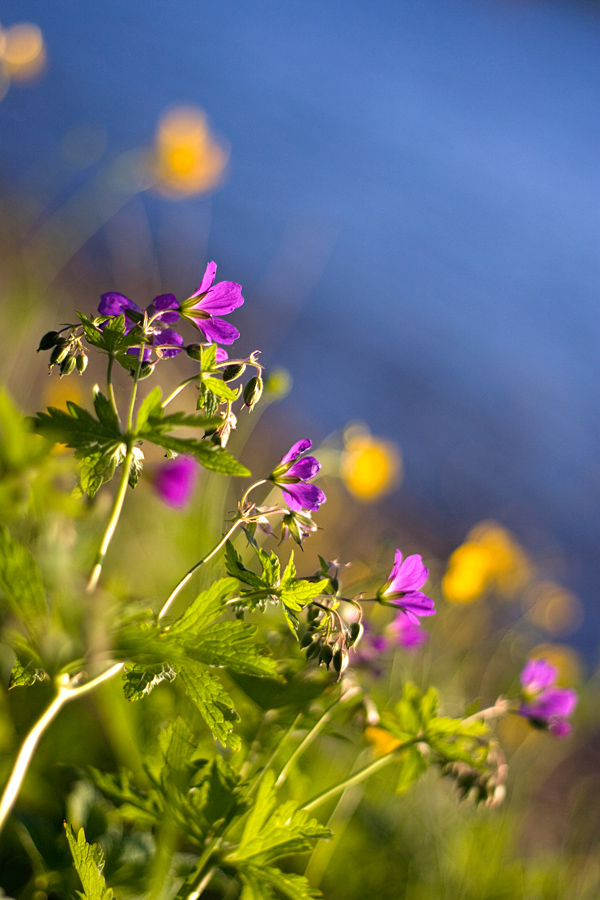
186, 159
490, 559
382, 740
22, 51
370, 466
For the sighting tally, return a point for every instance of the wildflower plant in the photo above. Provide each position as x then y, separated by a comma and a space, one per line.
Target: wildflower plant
219, 822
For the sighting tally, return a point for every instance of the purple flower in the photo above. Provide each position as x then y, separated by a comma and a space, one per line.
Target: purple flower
167, 343
209, 302
403, 585
175, 479
406, 632
544, 704
292, 475
163, 308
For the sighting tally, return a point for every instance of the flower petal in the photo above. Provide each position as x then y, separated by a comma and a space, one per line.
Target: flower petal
415, 603
295, 450
207, 279
410, 575
174, 480
304, 468
218, 330
165, 339
168, 303
303, 496
552, 702
223, 298
538, 674
113, 304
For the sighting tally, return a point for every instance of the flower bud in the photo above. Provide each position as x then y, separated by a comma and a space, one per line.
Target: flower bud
313, 650
194, 351
146, 369
60, 351
230, 373
67, 365
355, 632
48, 341
307, 640
326, 655
81, 362
340, 660
253, 391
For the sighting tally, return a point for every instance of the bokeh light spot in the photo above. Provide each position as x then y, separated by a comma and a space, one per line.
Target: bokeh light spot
23, 52
370, 467
187, 158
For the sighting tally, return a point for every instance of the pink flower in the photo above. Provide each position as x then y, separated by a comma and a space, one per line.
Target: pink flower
544, 704
406, 632
174, 480
209, 302
402, 587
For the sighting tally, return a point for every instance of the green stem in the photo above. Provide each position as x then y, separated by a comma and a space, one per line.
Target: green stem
179, 388
182, 583
112, 522
65, 694
111, 390
312, 734
136, 379
359, 776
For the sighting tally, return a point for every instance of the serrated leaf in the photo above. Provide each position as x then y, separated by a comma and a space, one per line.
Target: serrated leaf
151, 406
267, 883
104, 410
205, 609
411, 765
208, 357
139, 680
235, 568
21, 587
76, 428
289, 574
271, 834
231, 645
96, 467
213, 702
25, 676
270, 565
211, 457
219, 388
136, 467
296, 595
89, 862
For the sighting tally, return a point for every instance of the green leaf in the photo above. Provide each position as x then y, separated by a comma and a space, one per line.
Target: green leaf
104, 410
76, 428
270, 565
296, 595
137, 466
139, 680
235, 567
21, 588
213, 701
204, 610
89, 862
231, 645
219, 388
211, 457
151, 406
96, 467
271, 834
208, 357
411, 765
25, 676
268, 883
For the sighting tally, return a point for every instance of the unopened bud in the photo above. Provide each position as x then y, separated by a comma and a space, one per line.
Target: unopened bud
307, 640
146, 369
81, 362
60, 351
355, 632
326, 655
48, 341
67, 365
194, 351
313, 650
230, 373
253, 391
340, 660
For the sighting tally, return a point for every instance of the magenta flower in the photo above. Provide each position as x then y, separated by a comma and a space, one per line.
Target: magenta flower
544, 704
292, 475
403, 586
211, 301
113, 304
175, 480
406, 632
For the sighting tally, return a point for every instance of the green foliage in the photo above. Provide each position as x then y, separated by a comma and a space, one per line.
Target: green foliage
89, 862
22, 591
25, 676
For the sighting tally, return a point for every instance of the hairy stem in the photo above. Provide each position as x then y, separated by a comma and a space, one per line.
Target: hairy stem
359, 776
112, 522
65, 693
111, 390
181, 584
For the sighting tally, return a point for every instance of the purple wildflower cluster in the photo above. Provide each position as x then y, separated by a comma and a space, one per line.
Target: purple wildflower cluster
292, 476
544, 704
203, 309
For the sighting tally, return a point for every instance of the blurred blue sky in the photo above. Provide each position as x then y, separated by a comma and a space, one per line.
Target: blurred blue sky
412, 206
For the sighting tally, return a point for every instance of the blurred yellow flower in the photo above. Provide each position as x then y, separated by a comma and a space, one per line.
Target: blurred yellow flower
22, 51
382, 740
186, 159
490, 559
370, 467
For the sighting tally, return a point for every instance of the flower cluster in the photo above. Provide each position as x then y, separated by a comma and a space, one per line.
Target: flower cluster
545, 705
203, 309
292, 476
